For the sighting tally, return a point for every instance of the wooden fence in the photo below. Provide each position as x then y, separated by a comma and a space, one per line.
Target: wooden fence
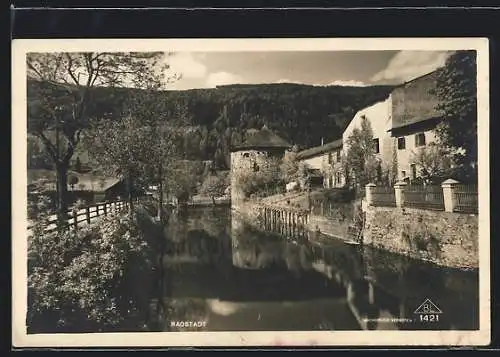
285, 221
322, 207
84, 215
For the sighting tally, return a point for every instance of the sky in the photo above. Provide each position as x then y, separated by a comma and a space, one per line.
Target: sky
356, 68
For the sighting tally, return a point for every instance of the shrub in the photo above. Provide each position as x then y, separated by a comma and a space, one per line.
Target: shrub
40, 204
214, 186
79, 203
78, 281
255, 183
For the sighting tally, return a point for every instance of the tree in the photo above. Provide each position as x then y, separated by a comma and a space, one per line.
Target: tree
361, 154
61, 98
289, 167
456, 89
434, 162
121, 149
149, 110
393, 168
341, 168
303, 174
180, 180
213, 186
37, 156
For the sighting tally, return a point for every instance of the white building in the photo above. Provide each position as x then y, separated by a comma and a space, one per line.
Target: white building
402, 125
414, 118
379, 116
325, 159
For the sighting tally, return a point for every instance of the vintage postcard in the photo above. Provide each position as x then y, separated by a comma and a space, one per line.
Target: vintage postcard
250, 192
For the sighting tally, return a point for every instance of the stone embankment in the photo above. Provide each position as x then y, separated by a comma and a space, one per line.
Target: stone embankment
444, 238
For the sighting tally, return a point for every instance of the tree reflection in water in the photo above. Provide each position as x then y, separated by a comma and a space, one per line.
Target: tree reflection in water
215, 268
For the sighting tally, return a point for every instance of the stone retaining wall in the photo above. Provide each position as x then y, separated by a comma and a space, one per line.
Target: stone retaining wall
329, 226
448, 239
444, 238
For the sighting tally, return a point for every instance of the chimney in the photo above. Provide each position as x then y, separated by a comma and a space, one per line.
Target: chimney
321, 141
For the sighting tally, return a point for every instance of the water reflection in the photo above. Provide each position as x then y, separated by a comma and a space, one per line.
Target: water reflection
217, 273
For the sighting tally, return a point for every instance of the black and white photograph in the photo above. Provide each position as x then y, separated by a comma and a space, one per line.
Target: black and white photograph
250, 192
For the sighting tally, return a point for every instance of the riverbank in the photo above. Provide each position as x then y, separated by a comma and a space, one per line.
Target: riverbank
443, 238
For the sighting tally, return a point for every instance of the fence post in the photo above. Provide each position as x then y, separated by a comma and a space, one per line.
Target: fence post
75, 219
371, 293
87, 213
448, 194
369, 193
399, 189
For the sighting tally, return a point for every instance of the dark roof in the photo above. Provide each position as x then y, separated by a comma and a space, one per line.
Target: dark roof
314, 172
415, 101
261, 139
319, 150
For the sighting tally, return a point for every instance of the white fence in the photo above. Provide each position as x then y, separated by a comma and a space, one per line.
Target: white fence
84, 215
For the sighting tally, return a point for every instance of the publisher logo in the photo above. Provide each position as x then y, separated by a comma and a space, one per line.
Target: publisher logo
428, 311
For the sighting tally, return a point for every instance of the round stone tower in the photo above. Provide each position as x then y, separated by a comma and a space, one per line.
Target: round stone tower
252, 155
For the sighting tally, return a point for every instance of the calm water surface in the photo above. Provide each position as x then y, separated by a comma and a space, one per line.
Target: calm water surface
217, 274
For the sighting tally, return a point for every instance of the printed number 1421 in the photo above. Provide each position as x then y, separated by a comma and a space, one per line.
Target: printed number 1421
429, 318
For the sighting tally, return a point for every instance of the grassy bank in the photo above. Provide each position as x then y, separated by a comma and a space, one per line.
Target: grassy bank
90, 280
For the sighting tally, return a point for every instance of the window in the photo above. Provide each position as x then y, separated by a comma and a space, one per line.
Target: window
338, 156
401, 143
403, 174
413, 169
329, 157
255, 167
376, 146
420, 139
246, 154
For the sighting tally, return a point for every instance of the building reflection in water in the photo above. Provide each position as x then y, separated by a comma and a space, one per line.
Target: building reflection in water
217, 269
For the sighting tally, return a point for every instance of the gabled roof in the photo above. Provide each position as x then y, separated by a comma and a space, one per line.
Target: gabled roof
319, 150
415, 101
261, 139
100, 184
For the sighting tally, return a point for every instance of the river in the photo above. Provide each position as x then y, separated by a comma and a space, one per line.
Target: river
216, 273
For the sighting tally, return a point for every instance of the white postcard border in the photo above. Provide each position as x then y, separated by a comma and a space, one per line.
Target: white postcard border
270, 338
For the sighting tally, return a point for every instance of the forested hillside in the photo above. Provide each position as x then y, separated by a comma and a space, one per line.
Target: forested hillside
214, 119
